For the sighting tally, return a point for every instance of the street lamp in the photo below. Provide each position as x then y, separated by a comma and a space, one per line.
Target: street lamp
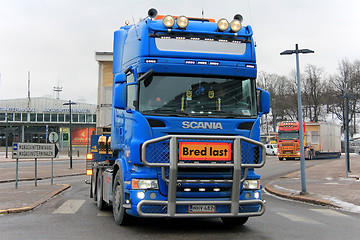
301, 129
70, 103
7, 134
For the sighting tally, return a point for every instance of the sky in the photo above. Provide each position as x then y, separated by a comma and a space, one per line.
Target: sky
56, 40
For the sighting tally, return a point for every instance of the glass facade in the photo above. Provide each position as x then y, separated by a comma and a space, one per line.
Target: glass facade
47, 117
32, 121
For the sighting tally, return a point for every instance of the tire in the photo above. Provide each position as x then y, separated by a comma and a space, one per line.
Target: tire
234, 220
93, 187
120, 215
280, 159
99, 192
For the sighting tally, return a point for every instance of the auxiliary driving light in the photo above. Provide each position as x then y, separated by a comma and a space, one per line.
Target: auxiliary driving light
223, 24
168, 21
141, 195
235, 25
182, 22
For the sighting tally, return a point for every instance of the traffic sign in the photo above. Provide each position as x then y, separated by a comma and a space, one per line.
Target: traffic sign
53, 137
34, 150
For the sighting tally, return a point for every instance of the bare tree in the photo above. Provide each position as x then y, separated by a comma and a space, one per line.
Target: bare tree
346, 84
313, 92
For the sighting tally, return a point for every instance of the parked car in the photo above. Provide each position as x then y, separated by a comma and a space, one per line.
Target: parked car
271, 149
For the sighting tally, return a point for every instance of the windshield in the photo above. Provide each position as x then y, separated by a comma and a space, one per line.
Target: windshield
197, 96
288, 135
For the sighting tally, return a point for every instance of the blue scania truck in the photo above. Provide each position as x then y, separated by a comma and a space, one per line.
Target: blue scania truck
185, 127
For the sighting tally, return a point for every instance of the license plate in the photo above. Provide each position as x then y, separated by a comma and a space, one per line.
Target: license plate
202, 209
210, 151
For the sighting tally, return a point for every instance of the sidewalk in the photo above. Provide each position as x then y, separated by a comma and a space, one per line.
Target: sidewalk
326, 184
27, 196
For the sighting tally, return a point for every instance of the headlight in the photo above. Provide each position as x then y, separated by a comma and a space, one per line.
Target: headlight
145, 184
235, 25
182, 22
223, 24
251, 184
168, 21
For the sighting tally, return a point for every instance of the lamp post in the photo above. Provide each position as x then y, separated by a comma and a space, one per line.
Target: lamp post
70, 103
7, 134
301, 129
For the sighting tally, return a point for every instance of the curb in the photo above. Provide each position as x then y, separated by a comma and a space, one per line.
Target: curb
303, 198
37, 203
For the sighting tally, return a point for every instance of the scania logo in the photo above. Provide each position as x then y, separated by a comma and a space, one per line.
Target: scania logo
203, 125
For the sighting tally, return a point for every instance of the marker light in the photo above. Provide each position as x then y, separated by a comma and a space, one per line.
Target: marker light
235, 25
222, 24
182, 22
168, 21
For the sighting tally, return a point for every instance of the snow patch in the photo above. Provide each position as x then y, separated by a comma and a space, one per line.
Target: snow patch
344, 205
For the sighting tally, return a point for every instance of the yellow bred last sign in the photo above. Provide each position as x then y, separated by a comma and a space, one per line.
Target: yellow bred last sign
205, 151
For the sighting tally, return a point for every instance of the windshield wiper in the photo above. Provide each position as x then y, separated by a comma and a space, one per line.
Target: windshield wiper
225, 114
167, 112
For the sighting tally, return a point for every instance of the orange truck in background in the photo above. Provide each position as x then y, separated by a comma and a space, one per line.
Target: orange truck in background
321, 139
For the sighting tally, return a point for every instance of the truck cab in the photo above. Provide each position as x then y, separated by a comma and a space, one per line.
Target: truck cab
185, 125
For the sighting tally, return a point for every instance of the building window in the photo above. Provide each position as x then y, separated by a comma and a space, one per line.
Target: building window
32, 117
75, 117
18, 117
89, 118
81, 117
10, 117
47, 117
24, 117
40, 117
94, 118
61, 117
54, 117
67, 118
2, 116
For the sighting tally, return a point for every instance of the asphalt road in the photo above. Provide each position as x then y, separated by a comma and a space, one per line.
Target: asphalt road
73, 215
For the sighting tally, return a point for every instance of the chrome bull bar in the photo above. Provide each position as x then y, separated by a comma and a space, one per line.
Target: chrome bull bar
173, 164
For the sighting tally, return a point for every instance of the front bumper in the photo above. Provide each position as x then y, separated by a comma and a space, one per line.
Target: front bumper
234, 206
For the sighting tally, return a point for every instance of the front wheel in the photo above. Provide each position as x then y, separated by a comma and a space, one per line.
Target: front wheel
234, 220
120, 216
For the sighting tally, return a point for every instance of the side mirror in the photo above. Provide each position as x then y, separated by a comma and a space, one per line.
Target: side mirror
264, 102
120, 78
119, 96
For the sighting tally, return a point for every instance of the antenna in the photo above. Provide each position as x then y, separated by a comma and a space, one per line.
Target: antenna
29, 89
135, 29
57, 89
202, 14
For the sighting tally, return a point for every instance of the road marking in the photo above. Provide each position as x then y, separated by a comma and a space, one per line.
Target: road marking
330, 213
69, 207
297, 218
104, 214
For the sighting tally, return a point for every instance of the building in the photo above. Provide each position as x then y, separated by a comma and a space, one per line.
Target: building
32, 120
104, 100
